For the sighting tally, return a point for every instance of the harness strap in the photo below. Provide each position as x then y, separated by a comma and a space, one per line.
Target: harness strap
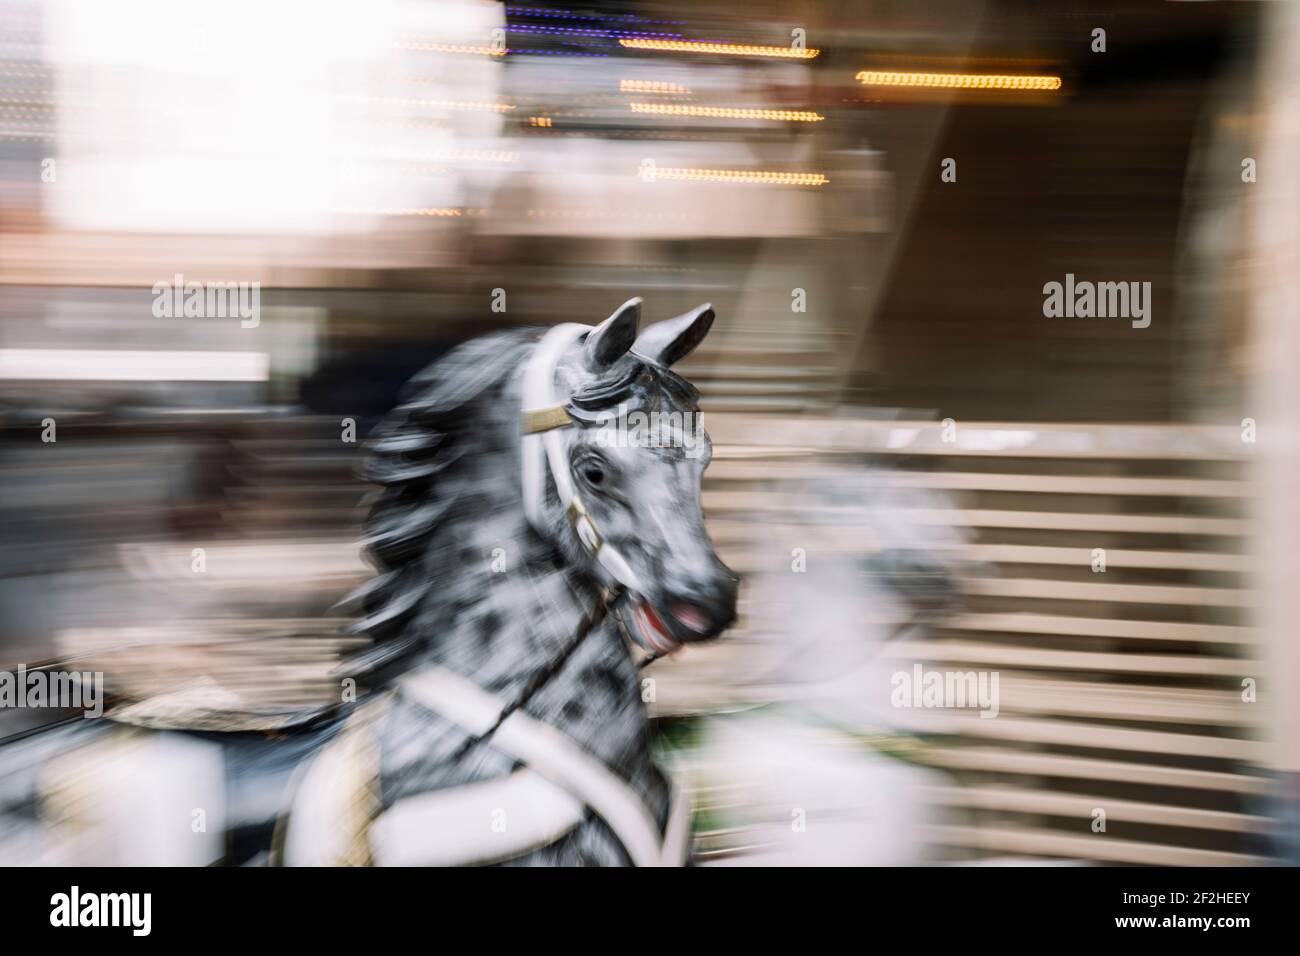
542, 450
539, 403
544, 419
333, 798
559, 760
677, 835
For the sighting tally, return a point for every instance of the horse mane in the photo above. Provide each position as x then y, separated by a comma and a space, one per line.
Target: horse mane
415, 449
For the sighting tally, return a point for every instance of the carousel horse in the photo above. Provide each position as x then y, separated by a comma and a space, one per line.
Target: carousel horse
500, 718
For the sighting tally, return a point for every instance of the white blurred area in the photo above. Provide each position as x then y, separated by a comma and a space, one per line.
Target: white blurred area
246, 117
814, 769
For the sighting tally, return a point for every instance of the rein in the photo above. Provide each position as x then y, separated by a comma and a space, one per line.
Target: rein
542, 416
543, 451
545, 675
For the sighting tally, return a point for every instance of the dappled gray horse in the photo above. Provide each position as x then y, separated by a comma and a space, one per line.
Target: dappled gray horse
512, 566
522, 537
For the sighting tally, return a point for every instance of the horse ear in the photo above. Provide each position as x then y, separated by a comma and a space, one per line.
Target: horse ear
612, 338
671, 340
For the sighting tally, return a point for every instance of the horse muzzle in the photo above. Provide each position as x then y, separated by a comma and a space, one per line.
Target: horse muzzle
671, 620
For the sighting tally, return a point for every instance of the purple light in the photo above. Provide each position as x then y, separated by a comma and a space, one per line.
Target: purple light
578, 31
564, 14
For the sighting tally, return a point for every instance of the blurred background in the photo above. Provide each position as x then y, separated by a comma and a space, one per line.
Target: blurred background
882, 386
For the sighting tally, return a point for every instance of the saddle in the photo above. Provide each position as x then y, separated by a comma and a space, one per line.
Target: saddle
337, 819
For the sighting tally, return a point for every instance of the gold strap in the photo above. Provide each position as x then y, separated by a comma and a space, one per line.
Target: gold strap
360, 804
544, 419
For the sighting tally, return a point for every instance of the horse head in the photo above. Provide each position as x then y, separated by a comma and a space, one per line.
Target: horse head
611, 451
613, 456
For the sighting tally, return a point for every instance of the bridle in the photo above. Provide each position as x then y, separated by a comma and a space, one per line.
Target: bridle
543, 451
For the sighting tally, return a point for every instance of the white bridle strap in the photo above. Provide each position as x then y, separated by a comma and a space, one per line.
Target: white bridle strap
543, 450
539, 400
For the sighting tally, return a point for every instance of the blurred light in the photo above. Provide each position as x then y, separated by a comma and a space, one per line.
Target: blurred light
959, 81
570, 15
651, 86
121, 365
477, 156
540, 121
761, 177
451, 48
465, 105
729, 49
582, 32
441, 212
722, 112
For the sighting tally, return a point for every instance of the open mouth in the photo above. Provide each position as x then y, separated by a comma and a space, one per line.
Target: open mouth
661, 637
652, 630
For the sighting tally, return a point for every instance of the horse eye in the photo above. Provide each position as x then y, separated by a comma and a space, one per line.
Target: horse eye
593, 473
